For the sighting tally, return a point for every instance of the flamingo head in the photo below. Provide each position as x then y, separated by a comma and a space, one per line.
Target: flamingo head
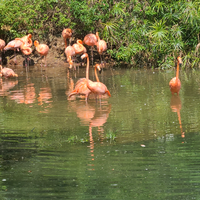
98, 66
85, 55
79, 41
36, 43
180, 60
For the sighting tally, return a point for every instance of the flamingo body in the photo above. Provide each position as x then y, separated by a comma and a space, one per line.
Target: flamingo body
66, 33
79, 48
7, 72
27, 40
2, 44
13, 45
90, 39
70, 52
42, 49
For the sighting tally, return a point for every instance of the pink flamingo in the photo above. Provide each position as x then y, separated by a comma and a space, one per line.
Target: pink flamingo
2, 45
81, 85
42, 50
27, 40
13, 45
79, 48
25, 49
175, 83
101, 45
70, 52
97, 88
66, 33
7, 72
90, 40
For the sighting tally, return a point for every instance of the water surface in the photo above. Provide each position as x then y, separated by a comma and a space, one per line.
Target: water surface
141, 143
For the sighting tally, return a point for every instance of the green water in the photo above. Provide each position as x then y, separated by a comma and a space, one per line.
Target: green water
141, 143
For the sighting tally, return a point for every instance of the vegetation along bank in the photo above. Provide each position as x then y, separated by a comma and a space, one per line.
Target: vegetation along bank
149, 33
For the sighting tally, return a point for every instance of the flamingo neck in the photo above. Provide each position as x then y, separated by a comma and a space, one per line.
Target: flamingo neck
96, 75
177, 72
87, 69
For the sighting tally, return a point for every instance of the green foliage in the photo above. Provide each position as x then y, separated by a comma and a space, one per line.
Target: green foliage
139, 31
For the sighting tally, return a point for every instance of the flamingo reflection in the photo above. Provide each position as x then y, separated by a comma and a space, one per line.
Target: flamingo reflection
92, 116
6, 85
175, 105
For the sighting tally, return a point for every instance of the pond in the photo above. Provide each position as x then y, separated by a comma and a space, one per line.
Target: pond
141, 143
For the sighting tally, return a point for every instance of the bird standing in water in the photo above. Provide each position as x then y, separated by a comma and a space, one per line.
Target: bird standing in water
67, 34
97, 88
7, 72
81, 85
70, 52
175, 83
42, 49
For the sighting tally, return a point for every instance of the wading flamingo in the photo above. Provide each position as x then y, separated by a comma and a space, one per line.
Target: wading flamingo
175, 83
7, 72
97, 88
81, 85
2, 45
90, 40
70, 52
101, 45
13, 45
42, 49
66, 33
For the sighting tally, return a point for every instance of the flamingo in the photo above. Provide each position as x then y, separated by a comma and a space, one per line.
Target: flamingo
97, 88
13, 45
70, 52
42, 50
81, 85
79, 48
175, 83
26, 50
7, 72
2, 45
27, 40
101, 45
66, 33
90, 40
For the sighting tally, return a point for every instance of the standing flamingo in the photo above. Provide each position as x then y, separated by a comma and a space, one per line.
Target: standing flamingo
90, 40
97, 88
70, 52
66, 33
7, 72
101, 45
13, 45
175, 83
42, 50
2, 45
81, 85
26, 50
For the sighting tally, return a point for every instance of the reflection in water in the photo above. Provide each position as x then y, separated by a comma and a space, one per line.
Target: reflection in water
26, 96
92, 116
175, 105
6, 85
44, 98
